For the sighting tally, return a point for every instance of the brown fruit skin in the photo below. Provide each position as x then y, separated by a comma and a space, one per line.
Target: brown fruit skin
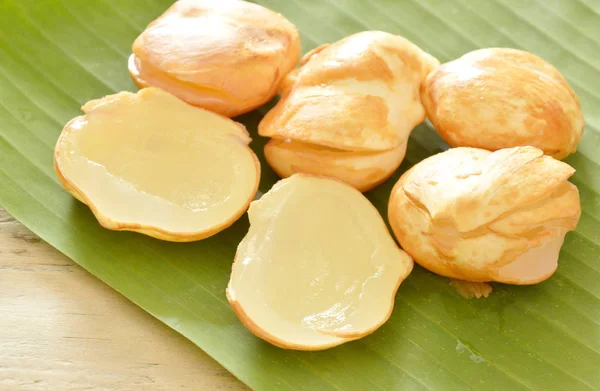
361, 170
500, 98
349, 109
227, 56
358, 94
465, 213
262, 334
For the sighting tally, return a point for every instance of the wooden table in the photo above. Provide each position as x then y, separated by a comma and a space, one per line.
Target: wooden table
63, 329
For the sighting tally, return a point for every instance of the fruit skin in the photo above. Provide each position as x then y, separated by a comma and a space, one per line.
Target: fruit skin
362, 170
500, 98
262, 334
468, 213
155, 232
227, 56
357, 95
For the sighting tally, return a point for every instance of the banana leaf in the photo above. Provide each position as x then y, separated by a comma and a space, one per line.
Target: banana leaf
57, 54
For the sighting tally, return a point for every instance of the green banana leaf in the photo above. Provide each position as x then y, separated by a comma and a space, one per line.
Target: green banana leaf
57, 54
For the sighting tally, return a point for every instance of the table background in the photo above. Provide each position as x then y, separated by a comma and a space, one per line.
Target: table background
63, 329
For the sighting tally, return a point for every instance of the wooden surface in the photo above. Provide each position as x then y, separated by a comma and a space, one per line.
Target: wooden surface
63, 329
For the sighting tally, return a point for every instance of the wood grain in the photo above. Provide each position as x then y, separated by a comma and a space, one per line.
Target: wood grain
63, 329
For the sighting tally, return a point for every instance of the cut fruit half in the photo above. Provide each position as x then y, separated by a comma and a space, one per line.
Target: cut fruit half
148, 162
318, 266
